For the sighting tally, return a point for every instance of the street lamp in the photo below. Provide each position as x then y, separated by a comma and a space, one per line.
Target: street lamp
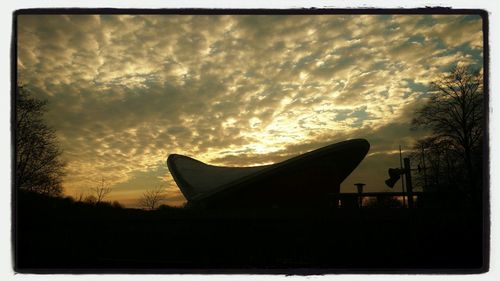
360, 186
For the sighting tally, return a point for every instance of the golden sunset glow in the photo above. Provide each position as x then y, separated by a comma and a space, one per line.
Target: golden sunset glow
126, 91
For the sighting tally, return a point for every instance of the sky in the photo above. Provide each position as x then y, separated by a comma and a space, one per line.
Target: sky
125, 91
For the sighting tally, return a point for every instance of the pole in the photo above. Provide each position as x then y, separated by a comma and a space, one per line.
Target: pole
408, 182
359, 186
424, 168
402, 175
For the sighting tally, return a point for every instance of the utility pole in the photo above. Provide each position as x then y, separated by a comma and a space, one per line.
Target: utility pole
424, 168
402, 180
408, 182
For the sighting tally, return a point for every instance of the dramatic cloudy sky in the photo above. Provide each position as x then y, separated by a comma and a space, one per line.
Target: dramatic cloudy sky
125, 91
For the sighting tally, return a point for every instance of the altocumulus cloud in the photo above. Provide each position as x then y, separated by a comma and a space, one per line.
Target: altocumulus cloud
125, 91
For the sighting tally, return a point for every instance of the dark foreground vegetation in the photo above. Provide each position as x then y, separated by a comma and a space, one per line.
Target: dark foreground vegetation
60, 235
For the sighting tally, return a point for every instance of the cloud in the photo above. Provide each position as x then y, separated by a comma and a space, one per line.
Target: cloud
126, 91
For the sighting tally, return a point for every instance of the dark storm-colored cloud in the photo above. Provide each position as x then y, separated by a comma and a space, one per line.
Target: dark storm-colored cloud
126, 91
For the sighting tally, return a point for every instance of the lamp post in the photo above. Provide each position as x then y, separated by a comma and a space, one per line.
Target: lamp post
360, 186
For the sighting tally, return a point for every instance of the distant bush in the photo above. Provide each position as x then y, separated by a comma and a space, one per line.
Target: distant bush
89, 202
164, 207
117, 204
90, 199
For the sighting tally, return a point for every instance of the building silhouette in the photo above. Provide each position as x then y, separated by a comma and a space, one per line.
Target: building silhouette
306, 180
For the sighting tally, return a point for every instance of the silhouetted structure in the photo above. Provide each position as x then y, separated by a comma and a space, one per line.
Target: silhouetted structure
304, 180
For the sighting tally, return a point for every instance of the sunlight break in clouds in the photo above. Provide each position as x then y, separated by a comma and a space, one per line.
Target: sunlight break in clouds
126, 91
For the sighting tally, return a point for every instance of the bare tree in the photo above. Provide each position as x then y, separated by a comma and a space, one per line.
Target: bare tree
39, 167
100, 191
455, 114
80, 197
151, 198
438, 164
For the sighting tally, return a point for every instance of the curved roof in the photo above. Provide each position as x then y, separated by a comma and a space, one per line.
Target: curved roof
198, 180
